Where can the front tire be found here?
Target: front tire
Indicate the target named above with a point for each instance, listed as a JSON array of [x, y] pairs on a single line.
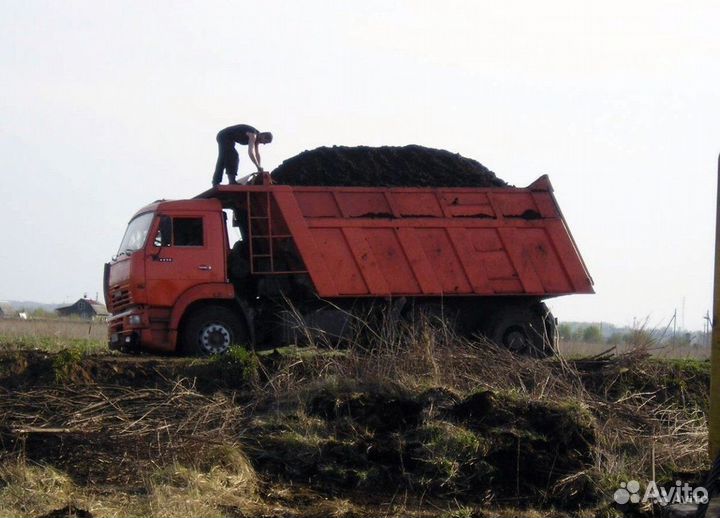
[[211, 330]]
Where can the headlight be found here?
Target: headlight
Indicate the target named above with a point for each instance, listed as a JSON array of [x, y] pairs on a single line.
[[135, 320]]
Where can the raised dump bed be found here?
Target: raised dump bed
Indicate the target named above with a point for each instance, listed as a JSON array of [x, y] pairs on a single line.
[[391, 242]]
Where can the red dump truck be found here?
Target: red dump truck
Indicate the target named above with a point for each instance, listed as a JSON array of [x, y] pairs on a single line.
[[486, 256]]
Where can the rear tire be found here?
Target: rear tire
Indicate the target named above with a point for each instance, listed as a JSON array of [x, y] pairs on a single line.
[[211, 330], [524, 330]]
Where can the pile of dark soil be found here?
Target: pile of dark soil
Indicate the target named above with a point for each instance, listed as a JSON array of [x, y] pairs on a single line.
[[69, 511], [27, 369], [535, 444], [375, 411], [387, 166], [489, 446]]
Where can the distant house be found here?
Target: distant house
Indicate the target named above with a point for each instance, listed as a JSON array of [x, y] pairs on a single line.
[[7, 311], [84, 308]]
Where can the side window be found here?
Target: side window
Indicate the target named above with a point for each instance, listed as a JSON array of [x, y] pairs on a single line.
[[188, 232]]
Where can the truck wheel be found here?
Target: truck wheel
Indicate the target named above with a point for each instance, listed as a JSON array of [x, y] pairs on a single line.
[[211, 330], [522, 330]]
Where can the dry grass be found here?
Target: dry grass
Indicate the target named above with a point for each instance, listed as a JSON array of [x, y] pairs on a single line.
[[222, 479], [642, 340], [53, 334], [176, 423], [643, 435], [174, 450], [29, 489], [174, 491], [415, 357], [575, 349]]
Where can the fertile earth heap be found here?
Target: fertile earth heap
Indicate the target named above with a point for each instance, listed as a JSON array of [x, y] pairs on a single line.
[[387, 166]]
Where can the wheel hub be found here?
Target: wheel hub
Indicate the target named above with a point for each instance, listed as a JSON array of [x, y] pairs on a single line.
[[215, 339], [516, 340]]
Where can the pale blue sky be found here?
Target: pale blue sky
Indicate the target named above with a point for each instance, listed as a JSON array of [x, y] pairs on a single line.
[[105, 106]]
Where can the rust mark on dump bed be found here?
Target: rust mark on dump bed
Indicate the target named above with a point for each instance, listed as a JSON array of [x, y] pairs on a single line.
[[376, 215], [528, 214]]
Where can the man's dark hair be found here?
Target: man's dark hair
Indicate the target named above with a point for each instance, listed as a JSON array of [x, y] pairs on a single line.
[[265, 137]]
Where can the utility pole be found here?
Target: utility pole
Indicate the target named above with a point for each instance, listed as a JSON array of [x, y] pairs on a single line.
[[674, 321], [708, 327], [714, 425]]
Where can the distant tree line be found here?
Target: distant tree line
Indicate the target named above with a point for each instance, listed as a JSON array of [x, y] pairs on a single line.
[[593, 334]]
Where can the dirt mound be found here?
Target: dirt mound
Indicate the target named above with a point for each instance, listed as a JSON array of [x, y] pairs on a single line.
[[25, 369], [387, 166], [369, 437], [68, 511], [379, 412], [552, 440]]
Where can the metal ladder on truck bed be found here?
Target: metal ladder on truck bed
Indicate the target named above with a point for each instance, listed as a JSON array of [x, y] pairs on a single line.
[[268, 247]]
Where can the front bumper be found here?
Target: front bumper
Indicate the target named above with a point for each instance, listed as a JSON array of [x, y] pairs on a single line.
[[124, 335], [124, 341], [140, 328]]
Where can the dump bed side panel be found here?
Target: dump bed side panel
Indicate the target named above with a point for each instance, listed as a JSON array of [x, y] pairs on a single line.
[[431, 242]]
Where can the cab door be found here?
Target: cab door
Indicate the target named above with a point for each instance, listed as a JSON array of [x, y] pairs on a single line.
[[189, 249]]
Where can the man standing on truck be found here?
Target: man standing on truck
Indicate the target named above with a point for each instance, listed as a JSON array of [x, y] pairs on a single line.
[[228, 158]]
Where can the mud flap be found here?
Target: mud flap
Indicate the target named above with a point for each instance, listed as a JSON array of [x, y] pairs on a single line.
[[249, 317]]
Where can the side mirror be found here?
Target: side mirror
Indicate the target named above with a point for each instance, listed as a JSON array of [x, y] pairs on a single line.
[[163, 237]]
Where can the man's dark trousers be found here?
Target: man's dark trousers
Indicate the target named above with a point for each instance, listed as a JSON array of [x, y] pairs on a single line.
[[228, 159]]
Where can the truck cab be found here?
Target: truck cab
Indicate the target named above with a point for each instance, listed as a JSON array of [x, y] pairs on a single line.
[[173, 254]]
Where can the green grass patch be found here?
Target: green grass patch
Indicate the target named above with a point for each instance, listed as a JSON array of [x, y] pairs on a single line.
[[53, 344], [238, 364], [686, 365], [65, 363]]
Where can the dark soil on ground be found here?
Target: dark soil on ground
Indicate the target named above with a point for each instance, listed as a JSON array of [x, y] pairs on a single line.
[[387, 166], [26, 369], [509, 450], [68, 511]]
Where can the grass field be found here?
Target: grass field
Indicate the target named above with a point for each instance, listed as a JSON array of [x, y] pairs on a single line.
[[53, 334], [56, 334], [575, 349]]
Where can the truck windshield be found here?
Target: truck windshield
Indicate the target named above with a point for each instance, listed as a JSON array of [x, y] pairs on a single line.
[[136, 234]]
